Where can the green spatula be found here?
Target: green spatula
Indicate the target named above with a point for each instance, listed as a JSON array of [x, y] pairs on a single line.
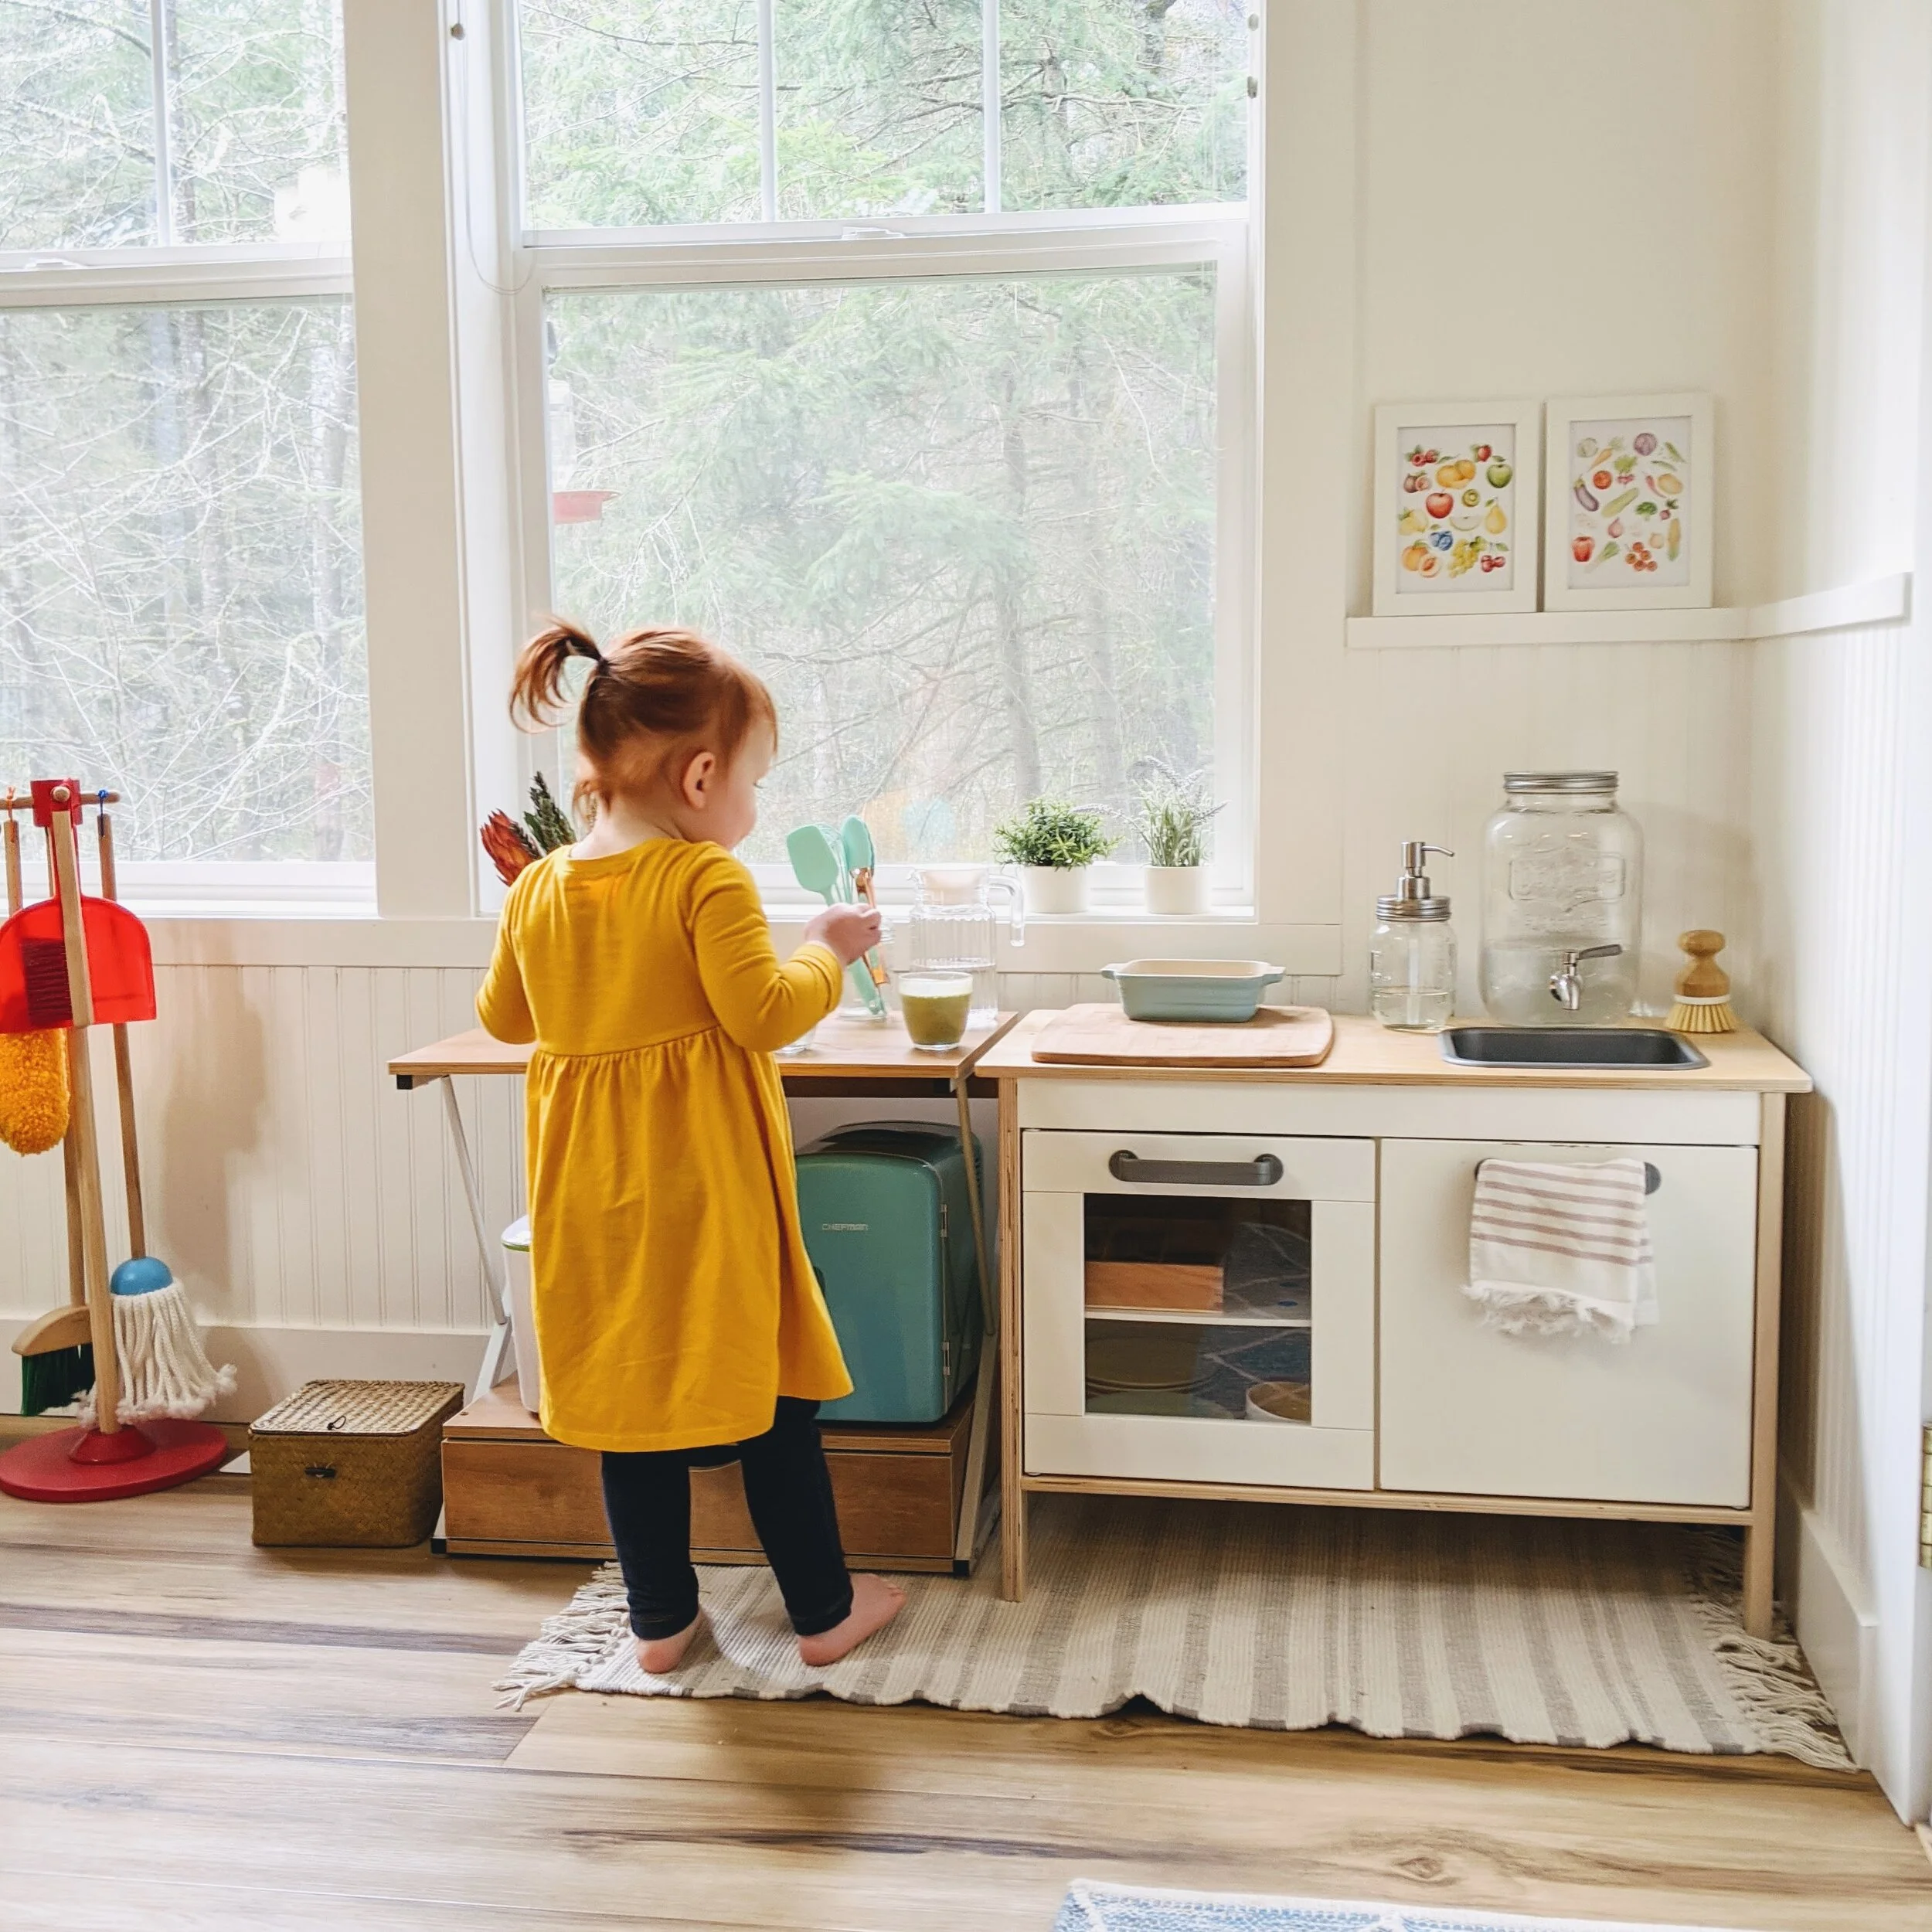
[[855, 841], [815, 865]]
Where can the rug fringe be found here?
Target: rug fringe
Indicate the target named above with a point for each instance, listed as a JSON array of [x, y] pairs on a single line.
[[571, 1644], [1768, 1676]]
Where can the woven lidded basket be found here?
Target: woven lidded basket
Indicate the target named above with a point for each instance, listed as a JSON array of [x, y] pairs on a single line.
[[354, 1465]]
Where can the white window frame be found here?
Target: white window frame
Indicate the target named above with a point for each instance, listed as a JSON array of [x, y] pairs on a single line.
[[741, 253]]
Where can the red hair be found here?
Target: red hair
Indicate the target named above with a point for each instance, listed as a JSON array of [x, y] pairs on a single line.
[[653, 701]]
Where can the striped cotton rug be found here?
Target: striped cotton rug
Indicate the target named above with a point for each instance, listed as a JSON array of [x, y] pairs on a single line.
[[1400, 1624]]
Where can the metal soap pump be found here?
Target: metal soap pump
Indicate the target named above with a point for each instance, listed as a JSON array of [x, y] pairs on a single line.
[[1411, 958]]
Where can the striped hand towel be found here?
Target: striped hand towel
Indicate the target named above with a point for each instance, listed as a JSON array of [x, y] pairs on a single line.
[[1561, 1249]]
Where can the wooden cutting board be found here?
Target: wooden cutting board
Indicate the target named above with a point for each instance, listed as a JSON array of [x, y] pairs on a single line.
[[1104, 1036]]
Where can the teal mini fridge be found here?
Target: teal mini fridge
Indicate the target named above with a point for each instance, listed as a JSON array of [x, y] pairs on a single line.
[[889, 1225]]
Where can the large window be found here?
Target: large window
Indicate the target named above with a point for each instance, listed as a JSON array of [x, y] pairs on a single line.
[[903, 348], [180, 585]]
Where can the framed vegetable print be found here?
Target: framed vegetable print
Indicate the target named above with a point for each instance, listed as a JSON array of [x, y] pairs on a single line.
[[1455, 508], [1627, 524]]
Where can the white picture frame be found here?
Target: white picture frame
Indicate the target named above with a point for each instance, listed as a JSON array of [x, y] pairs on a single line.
[[1471, 556], [1643, 546]]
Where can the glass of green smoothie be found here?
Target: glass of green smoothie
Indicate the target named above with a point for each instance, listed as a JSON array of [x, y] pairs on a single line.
[[934, 1006]]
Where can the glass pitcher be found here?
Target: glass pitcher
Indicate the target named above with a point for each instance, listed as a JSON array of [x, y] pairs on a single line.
[[955, 927]]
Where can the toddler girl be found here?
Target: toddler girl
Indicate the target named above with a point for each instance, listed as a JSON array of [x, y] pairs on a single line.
[[678, 1321]]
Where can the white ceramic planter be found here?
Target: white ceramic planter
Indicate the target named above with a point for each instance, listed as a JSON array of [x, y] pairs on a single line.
[[1054, 889], [1176, 890]]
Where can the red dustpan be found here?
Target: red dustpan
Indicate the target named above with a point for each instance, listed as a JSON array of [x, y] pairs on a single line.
[[33, 967]]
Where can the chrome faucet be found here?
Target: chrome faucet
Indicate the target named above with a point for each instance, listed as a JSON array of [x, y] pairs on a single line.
[[1565, 987]]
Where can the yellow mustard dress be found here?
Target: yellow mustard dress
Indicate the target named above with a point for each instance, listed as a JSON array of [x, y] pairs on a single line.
[[673, 1297]]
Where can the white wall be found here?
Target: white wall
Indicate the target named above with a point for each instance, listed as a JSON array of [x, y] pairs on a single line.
[[1841, 812], [1551, 204]]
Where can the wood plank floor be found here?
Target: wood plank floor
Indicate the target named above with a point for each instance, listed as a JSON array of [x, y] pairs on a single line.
[[200, 1735]]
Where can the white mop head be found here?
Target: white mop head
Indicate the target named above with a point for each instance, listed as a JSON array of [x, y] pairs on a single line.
[[165, 1370]]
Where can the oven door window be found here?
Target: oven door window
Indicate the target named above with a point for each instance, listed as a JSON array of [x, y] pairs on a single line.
[[1199, 1306]]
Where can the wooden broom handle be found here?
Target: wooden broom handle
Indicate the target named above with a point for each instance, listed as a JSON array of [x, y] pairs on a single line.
[[94, 1227], [71, 1173], [123, 1064]]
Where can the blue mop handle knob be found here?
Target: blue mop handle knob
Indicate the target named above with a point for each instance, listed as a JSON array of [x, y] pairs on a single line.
[[143, 1275]]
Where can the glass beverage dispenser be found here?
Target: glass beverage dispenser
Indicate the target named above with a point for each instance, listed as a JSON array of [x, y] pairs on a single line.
[[955, 927], [1563, 906]]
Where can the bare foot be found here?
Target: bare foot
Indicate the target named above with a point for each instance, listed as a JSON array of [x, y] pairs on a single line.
[[874, 1602], [658, 1656]]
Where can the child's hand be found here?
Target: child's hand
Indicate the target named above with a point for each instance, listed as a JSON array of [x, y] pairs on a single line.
[[851, 931]]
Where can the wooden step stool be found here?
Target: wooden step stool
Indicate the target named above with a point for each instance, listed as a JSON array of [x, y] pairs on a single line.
[[509, 1490]]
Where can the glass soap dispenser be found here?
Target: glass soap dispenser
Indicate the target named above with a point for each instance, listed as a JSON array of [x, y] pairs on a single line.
[[1411, 958]]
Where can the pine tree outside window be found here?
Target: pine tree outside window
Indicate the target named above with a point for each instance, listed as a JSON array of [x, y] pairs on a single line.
[[906, 350]]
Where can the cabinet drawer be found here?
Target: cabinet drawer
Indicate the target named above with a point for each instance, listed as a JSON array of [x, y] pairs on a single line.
[[1666, 1417], [1289, 1168], [1162, 1449]]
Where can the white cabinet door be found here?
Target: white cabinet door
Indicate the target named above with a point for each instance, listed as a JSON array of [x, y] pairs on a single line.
[[1166, 1279], [1468, 1410]]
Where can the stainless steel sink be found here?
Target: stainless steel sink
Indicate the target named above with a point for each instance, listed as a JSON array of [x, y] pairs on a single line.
[[1568, 1046]]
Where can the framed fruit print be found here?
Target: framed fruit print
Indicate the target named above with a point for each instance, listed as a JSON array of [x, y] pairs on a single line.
[[1627, 523], [1455, 507]]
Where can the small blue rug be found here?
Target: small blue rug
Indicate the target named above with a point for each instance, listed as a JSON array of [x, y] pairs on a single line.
[[1091, 1908]]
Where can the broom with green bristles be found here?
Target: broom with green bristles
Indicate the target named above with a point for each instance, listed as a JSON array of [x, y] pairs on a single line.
[[56, 1360]]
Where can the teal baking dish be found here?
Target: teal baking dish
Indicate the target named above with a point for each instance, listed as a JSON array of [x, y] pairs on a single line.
[[1223, 990]]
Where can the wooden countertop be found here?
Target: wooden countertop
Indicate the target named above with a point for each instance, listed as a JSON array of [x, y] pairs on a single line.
[[842, 1048], [1368, 1054]]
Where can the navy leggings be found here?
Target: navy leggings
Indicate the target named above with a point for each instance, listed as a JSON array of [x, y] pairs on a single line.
[[647, 1496]]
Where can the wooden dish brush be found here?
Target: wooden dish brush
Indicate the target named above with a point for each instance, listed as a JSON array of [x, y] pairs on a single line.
[[1703, 988]]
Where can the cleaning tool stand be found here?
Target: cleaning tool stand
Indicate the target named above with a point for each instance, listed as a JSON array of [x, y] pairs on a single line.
[[109, 1456]]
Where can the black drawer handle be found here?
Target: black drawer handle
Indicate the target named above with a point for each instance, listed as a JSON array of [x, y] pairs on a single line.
[[1263, 1171], [322, 1472]]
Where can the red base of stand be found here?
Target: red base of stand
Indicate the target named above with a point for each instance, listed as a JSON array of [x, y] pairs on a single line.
[[82, 1465]]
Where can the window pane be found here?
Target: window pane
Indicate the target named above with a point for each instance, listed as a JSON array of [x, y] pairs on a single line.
[[879, 108], [77, 154], [638, 112], [260, 149], [181, 600], [965, 528], [1123, 103]]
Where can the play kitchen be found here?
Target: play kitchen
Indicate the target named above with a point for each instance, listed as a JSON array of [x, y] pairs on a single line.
[[1256, 1252], [1249, 1250]]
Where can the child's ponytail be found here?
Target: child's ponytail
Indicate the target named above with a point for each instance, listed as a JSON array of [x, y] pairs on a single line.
[[536, 691], [655, 697]]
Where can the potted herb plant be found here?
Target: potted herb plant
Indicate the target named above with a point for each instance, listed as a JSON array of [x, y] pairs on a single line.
[[1052, 843], [1173, 821]]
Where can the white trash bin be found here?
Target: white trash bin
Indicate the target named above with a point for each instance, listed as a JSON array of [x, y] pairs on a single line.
[[516, 1259]]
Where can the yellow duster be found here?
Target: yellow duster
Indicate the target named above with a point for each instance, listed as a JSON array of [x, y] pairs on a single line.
[[33, 1089]]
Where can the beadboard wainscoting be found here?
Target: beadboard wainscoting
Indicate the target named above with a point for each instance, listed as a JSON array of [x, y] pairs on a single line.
[[1840, 982], [290, 1187]]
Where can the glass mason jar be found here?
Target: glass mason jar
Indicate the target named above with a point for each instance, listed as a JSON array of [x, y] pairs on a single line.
[[1412, 955], [1563, 877], [1412, 972]]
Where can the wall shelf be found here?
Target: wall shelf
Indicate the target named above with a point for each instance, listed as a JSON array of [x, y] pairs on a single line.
[[1879, 601]]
